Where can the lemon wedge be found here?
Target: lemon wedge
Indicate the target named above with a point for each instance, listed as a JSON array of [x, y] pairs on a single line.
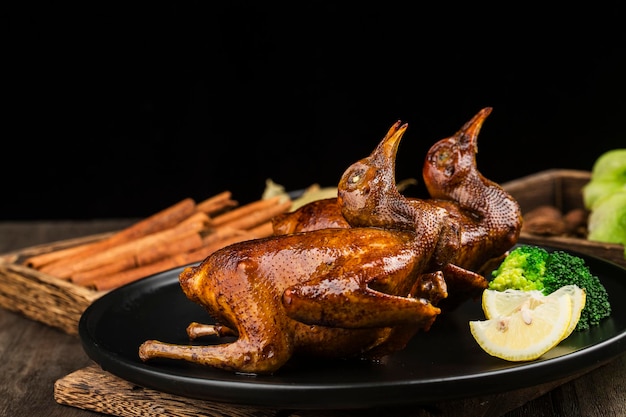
[[504, 303], [523, 325], [579, 297]]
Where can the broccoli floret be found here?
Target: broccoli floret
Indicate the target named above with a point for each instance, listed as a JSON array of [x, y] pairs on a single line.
[[522, 269], [563, 269], [530, 268]]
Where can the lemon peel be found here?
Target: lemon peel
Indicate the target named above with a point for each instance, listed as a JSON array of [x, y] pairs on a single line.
[[524, 325]]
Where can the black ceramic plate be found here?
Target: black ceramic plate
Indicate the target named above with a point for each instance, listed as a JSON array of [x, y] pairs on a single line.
[[443, 364]]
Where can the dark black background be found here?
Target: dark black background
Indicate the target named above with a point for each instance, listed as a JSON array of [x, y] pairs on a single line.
[[119, 110]]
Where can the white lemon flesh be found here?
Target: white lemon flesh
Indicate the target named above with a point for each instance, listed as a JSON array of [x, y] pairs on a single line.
[[523, 325]]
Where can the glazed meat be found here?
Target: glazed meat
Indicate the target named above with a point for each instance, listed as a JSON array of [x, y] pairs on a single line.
[[318, 214], [334, 292], [489, 218]]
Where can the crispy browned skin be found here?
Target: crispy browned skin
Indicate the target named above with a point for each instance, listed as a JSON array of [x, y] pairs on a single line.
[[334, 292], [318, 214], [489, 218]]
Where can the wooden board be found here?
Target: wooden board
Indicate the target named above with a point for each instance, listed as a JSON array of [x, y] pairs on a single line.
[[93, 389]]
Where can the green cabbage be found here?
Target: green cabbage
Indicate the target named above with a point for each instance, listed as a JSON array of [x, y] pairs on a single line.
[[605, 198], [607, 220]]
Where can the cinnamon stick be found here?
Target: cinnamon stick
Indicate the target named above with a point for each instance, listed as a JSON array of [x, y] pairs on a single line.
[[67, 267], [260, 214], [217, 203], [156, 252], [181, 234], [204, 251], [130, 275], [179, 244], [40, 260], [161, 220], [217, 241], [245, 210], [184, 244], [85, 277], [125, 277]]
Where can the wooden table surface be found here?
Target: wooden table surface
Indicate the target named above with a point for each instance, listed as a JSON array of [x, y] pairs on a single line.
[[35, 356]]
